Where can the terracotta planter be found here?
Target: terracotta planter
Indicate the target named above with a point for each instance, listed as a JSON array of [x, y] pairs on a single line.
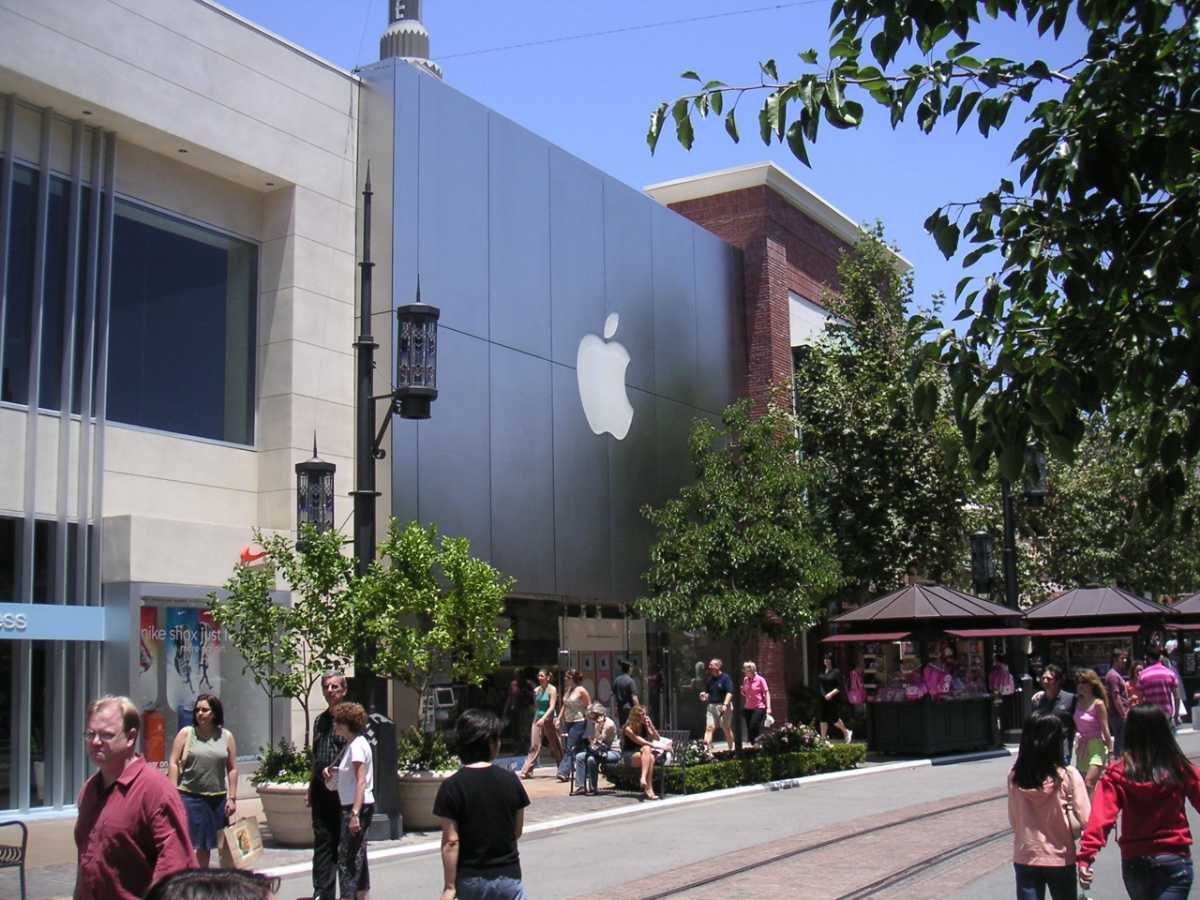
[[416, 792], [287, 814]]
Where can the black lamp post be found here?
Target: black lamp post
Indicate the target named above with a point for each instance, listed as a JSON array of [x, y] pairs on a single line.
[[314, 494], [414, 390], [1036, 489], [981, 563]]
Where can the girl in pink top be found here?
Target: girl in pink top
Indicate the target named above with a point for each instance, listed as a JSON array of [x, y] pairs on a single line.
[[1093, 742], [756, 700], [1040, 792]]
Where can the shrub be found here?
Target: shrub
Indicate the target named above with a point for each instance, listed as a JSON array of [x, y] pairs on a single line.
[[750, 768], [419, 751], [283, 764]]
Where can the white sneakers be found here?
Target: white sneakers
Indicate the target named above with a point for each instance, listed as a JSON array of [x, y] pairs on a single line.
[[849, 736]]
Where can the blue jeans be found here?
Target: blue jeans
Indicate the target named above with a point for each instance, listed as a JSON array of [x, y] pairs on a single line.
[[1164, 876], [575, 732], [472, 886], [1033, 881], [588, 763]]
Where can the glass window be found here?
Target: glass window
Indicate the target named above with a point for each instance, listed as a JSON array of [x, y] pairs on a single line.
[[54, 309], [14, 380], [181, 327]]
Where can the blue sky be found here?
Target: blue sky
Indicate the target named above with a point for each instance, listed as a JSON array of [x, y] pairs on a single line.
[[593, 96]]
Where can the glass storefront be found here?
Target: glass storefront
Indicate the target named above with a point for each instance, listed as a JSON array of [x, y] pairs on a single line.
[[181, 654]]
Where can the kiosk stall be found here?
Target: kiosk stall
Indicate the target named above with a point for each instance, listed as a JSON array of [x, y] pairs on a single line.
[[929, 686]]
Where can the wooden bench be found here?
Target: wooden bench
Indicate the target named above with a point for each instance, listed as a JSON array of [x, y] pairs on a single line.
[[12, 856]]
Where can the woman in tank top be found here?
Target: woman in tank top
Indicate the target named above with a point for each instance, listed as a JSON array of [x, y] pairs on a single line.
[[1093, 742], [544, 703], [572, 720], [204, 766]]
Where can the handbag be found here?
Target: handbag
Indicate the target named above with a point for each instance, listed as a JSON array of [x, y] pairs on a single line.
[[1073, 824], [240, 844]]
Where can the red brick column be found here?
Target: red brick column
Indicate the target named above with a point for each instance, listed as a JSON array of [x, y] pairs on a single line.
[[771, 660]]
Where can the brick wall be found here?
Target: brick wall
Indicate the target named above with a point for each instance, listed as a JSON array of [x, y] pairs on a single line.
[[782, 250]]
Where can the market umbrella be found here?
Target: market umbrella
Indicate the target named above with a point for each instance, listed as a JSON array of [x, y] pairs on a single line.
[[926, 601], [1088, 602]]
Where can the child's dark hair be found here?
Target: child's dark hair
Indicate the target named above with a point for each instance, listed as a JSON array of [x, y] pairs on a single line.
[[475, 732], [1041, 753], [1151, 752]]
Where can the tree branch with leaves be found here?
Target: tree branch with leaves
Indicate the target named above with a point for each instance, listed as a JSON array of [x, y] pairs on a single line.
[[1088, 295]]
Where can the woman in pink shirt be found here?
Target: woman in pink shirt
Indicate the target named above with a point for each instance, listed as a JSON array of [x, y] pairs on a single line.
[[1042, 795], [756, 700]]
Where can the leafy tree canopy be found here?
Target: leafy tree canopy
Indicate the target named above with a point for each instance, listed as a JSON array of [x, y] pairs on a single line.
[[287, 648], [737, 551], [893, 484], [1092, 301], [430, 607]]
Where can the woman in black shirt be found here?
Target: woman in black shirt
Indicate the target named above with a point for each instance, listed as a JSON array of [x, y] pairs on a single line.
[[832, 699], [482, 808]]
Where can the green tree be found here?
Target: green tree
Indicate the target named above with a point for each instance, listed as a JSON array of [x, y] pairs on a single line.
[[1094, 527], [1090, 300], [430, 608], [736, 552], [894, 484], [287, 648]]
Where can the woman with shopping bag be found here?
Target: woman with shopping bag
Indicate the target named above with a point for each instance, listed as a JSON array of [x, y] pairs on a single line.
[[203, 765], [1047, 807]]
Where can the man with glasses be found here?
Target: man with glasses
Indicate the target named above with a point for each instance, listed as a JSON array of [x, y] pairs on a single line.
[[131, 830], [323, 803]]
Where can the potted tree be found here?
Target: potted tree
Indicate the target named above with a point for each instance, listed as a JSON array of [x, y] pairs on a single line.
[[431, 610], [286, 649]]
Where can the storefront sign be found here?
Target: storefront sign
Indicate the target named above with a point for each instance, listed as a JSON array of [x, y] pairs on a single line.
[[50, 622]]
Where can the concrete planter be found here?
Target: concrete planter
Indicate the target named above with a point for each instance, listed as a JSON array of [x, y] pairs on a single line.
[[287, 814], [416, 792]]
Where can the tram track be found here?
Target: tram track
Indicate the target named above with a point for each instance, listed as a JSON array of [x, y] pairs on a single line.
[[895, 879]]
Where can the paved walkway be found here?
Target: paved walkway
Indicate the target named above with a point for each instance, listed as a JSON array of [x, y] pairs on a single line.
[[52, 850]]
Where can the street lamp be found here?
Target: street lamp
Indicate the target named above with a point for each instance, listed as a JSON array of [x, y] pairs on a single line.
[[1036, 489], [314, 493], [416, 357], [981, 563], [415, 388]]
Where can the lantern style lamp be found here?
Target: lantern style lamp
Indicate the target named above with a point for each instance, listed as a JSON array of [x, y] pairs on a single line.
[[981, 562], [416, 358], [314, 493], [1036, 489]]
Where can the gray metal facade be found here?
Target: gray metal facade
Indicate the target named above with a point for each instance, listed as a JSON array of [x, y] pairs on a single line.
[[526, 249]]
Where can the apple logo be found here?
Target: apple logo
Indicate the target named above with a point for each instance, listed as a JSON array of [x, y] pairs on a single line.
[[600, 368]]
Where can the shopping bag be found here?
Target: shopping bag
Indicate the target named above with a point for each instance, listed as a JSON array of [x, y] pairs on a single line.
[[240, 844]]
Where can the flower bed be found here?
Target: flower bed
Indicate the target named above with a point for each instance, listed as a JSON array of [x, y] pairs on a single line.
[[788, 752]]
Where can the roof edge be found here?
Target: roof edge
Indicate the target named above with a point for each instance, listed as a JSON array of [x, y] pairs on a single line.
[[278, 39], [797, 194]]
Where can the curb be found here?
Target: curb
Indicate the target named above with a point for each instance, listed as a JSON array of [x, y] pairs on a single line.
[[556, 825]]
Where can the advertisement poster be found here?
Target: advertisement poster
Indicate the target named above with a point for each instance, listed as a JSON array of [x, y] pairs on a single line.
[[587, 665], [210, 654], [150, 649], [183, 660], [603, 676]]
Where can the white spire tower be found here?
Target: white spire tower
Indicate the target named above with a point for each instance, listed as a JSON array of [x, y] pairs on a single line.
[[406, 38]]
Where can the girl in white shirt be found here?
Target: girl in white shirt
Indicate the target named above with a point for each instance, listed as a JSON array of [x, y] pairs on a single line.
[[353, 776]]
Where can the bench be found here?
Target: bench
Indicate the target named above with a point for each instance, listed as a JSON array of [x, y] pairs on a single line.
[[12, 856], [679, 739]]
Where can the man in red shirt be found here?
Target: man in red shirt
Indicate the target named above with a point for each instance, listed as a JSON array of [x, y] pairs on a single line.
[[131, 829], [1158, 685]]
